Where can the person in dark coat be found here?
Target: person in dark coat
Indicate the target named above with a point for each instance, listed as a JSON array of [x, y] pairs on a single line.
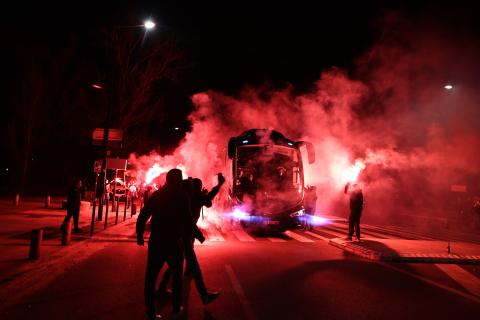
[[356, 208], [74, 197], [199, 197], [171, 222]]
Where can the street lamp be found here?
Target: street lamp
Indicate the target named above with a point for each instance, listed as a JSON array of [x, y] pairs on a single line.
[[149, 25], [448, 86]]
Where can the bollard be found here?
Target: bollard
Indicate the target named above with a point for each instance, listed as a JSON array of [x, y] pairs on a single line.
[[134, 209], [116, 210], [35, 243], [92, 223], [100, 209], [125, 209], [106, 216], [67, 233], [47, 202], [16, 201]]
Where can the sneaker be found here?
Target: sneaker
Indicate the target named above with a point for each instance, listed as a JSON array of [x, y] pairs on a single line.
[[348, 238], [210, 296], [179, 313]]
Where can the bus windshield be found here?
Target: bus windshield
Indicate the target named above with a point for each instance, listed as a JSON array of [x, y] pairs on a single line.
[[268, 174]]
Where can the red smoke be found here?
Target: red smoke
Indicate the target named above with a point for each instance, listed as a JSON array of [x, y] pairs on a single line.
[[394, 120]]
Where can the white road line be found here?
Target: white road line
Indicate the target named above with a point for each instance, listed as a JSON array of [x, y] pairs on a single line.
[[335, 234], [277, 239], [297, 237], [243, 236], [237, 287], [313, 234], [434, 283], [462, 277]]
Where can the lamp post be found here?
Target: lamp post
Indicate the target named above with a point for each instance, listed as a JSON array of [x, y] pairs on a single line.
[[148, 25]]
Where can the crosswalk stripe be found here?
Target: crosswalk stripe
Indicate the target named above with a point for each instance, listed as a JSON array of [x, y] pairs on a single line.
[[277, 240], [297, 237], [243, 236], [313, 234], [335, 234], [342, 230], [462, 277]]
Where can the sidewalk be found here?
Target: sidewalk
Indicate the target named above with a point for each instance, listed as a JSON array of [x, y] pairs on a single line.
[[413, 251], [17, 223], [18, 275]]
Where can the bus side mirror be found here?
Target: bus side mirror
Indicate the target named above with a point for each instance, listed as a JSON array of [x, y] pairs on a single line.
[[231, 148], [310, 150]]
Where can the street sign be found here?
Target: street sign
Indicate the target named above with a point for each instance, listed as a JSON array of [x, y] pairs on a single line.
[[458, 188], [115, 137], [119, 164]]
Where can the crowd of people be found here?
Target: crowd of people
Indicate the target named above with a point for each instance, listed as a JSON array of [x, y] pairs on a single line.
[[173, 211]]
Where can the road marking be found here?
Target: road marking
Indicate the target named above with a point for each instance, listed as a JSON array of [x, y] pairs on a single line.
[[277, 239], [243, 236], [313, 234], [297, 237], [434, 283], [335, 234], [237, 287], [462, 277]]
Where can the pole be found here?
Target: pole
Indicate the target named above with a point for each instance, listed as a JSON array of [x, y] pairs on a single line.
[[116, 211], [106, 214], [125, 207], [114, 203], [94, 204], [100, 201], [104, 162], [133, 209]]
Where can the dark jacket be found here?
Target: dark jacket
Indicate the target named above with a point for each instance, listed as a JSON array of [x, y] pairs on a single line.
[[356, 200], [74, 197], [171, 217], [200, 199]]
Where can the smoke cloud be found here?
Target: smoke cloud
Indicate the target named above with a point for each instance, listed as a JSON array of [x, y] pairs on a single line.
[[392, 115]]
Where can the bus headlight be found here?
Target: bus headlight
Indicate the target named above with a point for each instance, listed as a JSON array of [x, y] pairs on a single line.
[[298, 213]]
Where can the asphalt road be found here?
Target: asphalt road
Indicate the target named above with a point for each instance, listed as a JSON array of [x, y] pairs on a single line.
[[274, 276]]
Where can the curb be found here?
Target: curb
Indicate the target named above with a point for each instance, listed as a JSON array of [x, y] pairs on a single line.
[[406, 258]]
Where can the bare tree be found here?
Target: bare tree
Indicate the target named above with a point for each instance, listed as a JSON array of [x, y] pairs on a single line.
[[30, 115], [44, 103], [136, 63]]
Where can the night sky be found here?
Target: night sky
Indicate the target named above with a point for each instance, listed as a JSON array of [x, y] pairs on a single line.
[[226, 45], [230, 45]]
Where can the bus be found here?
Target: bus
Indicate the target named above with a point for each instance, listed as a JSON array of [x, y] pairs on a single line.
[[268, 188]]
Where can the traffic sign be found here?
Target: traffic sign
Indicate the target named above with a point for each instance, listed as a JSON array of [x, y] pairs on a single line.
[[115, 137], [119, 164]]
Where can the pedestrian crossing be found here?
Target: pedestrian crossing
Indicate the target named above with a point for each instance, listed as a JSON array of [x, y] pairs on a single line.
[[318, 234]]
